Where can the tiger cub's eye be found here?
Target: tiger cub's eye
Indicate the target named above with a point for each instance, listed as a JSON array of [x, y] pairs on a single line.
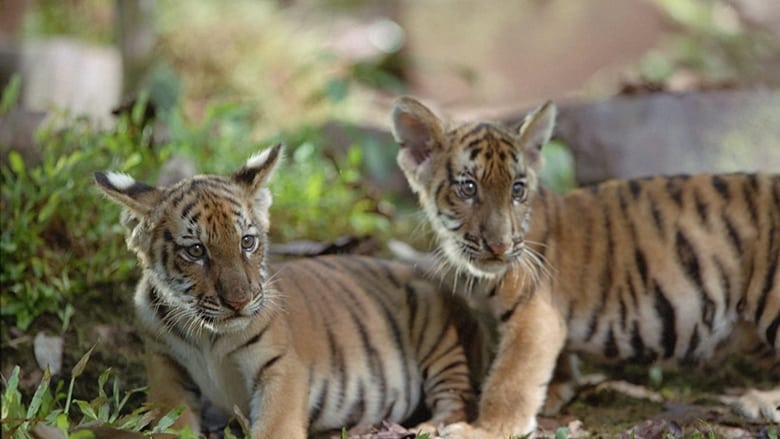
[[467, 189], [518, 191], [196, 251], [248, 243]]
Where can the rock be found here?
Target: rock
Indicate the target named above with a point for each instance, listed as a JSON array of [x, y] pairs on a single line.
[[48, 352], [663, 133]]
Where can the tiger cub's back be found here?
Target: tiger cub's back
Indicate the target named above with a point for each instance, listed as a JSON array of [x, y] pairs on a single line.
[[687, 255]]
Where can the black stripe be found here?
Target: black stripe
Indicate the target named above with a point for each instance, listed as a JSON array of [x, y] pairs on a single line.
[[641, 353], [186, 209], [424, 359], [641, 265], [732, 233], [635, 187], [720, 185], [605, 281], [442, 378], [475, 130], [623, 312], [701, 207], [693, 343], [674, 189], [725, 283], [411, 304], [750, 199], [690, 262], [666, 314], [769, 281], [506, 315], [319, 404], [261, 370], [254, 339], [771, 331], [610, 345], [432, 361], [355, 413], [658, 218]]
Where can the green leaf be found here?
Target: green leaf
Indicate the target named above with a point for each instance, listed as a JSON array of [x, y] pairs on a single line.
[[62, 423], [82, 434], [102, 382], [562, 433], [43, 388], [10, 94], [16, 162], [78, 369], [86, 409], [11, 406], [168, 420], [49, 208]]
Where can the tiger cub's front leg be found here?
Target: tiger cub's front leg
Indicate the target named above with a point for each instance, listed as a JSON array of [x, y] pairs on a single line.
[[531, 339], [170, 387], [279, 398]]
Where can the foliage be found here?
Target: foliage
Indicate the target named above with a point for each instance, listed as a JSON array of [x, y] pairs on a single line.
[[712, 42], [59, 238], [87, 19], [558, 167], [52, 405], [56, 238]]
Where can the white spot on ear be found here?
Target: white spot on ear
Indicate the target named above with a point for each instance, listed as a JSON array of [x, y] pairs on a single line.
[[120, 181], [259, 159]]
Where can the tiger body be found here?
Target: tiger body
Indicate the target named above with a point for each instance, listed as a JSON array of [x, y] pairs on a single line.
[[674, 264], [641, 270], [302, 346]]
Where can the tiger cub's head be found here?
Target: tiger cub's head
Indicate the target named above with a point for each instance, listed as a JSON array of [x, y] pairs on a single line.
[[202, 242], [474, 181]]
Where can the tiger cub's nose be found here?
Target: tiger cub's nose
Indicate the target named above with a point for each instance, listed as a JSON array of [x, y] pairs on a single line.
[[498, 248], [237, 304]]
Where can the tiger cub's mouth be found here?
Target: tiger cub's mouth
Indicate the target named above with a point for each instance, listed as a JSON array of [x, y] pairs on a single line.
[[219, 317], [484, 263]]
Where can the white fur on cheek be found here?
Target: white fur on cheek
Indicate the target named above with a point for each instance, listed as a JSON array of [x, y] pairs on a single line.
[[119, 180]]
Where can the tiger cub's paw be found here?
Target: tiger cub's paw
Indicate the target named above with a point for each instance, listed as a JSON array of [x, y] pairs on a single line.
[[427, 428], [462, 430], [561, 393], [756, 405]]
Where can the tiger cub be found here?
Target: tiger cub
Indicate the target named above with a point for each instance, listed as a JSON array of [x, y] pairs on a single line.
[[641, 270], [308, 345]]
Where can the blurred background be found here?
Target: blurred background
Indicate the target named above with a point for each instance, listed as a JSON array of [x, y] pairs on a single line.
[[161, 88]]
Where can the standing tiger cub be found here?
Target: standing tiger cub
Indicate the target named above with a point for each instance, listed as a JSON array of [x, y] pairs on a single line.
[[641, 270], [307, 345]]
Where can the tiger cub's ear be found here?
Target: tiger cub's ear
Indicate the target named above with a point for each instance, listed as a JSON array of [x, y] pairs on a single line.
[[417, 130], [139, 198], [256, 173], [535, 131]]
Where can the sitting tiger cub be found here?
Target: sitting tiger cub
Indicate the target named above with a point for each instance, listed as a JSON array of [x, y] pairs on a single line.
[[307, 345], [643, 270]]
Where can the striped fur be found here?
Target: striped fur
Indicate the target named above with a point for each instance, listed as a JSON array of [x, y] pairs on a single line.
[[303, 346], [641, 270]]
